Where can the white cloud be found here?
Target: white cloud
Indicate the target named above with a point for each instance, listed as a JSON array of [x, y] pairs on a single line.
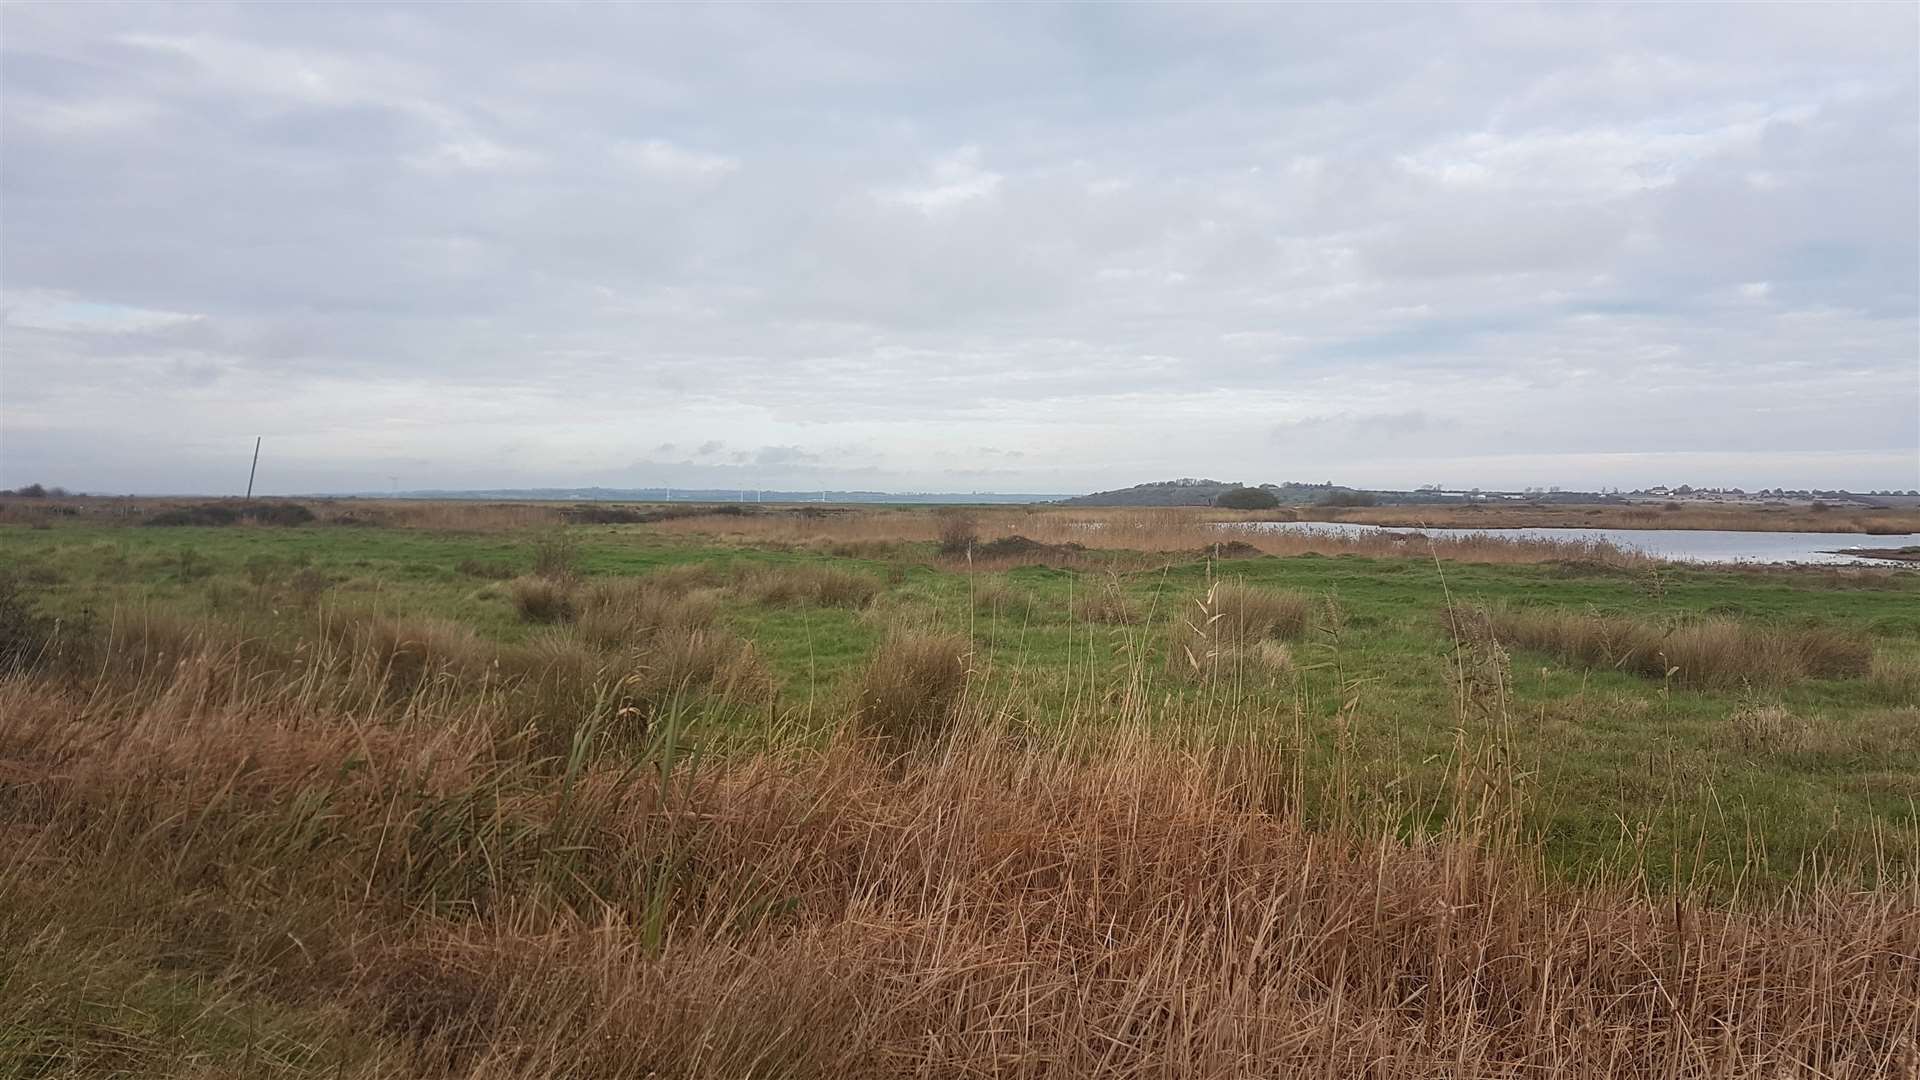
[[662, 158], [955, 178]]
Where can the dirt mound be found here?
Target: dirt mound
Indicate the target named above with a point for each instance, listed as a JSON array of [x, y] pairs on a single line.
[[1019, 547], [1232, 549]]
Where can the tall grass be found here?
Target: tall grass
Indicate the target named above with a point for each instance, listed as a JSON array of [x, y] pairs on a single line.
[[256, 891], [1714, 652], [1185, 531], [910, 691]]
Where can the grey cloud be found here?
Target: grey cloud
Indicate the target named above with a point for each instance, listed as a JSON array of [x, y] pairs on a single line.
[[1107, 241]]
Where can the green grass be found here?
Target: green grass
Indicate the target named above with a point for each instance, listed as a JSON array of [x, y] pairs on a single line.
[[1620, 766]]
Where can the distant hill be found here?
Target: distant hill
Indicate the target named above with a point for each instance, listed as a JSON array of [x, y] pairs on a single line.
[[1186, 492], [1192, 492], [699, 495]]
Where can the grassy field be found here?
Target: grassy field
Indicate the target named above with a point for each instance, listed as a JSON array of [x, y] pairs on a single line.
[[467, 791]]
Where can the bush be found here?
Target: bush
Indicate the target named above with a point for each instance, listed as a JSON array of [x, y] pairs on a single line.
[[223, 514], [556, 556], [1246, 498], [911, 688], [1347, 497], [956, 530]]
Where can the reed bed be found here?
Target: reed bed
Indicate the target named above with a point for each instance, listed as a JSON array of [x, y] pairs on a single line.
[[1186, 531], [1713, 652]]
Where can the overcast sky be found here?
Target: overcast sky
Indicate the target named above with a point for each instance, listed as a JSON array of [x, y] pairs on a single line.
[[1013, 248]]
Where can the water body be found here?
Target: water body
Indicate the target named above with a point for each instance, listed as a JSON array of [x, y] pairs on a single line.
[[1678, 545]]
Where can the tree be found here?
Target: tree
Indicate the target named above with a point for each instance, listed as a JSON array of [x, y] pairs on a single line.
[[1245, 498]]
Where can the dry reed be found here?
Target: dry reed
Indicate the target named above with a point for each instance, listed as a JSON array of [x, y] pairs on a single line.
[[387, 901], [1715, 652]]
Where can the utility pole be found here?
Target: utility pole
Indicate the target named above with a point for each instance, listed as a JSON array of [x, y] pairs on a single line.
[[256, 466]]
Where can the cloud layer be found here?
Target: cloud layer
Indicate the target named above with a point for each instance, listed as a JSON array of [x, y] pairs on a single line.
[[1019, 248]]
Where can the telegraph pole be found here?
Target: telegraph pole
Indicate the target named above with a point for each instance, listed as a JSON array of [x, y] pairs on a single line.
[[256, 466]]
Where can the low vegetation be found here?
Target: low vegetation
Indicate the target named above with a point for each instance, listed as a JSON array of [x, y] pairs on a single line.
[[702, 797], [1713, 652]]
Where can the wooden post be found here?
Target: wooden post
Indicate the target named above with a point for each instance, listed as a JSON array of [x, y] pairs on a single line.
[[256, 466]]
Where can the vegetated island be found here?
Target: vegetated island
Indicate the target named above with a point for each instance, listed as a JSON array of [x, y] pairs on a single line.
[[1909, 553], [1659, 507]]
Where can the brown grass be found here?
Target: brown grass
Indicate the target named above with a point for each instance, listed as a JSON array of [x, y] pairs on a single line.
[[249, 891], [1156, 532], [1226, 633], [1895, 677], [809, 583], [1106, 602], [910, 691], [1716, 652], [620, 612], [541, 599]]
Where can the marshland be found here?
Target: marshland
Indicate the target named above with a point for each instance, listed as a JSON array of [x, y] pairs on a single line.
[[385, 789]]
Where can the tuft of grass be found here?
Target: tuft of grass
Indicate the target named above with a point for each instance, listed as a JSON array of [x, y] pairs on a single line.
[[911, 689], [541, 599], [622, 612], [1242, 614], [483, 569], [1108, 603], [809, 583], [1768, 729], [1895, 677]]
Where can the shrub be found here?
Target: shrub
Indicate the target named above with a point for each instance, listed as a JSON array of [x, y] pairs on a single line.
[[542, 599], [1347, 497], [911, 688], [217, 514], [956, 530], [191, 564], [1246, 498], [556, 555]]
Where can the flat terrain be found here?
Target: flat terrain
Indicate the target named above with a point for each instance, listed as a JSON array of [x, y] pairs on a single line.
[[1780, 517], [1607, 751], [231, 745]]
